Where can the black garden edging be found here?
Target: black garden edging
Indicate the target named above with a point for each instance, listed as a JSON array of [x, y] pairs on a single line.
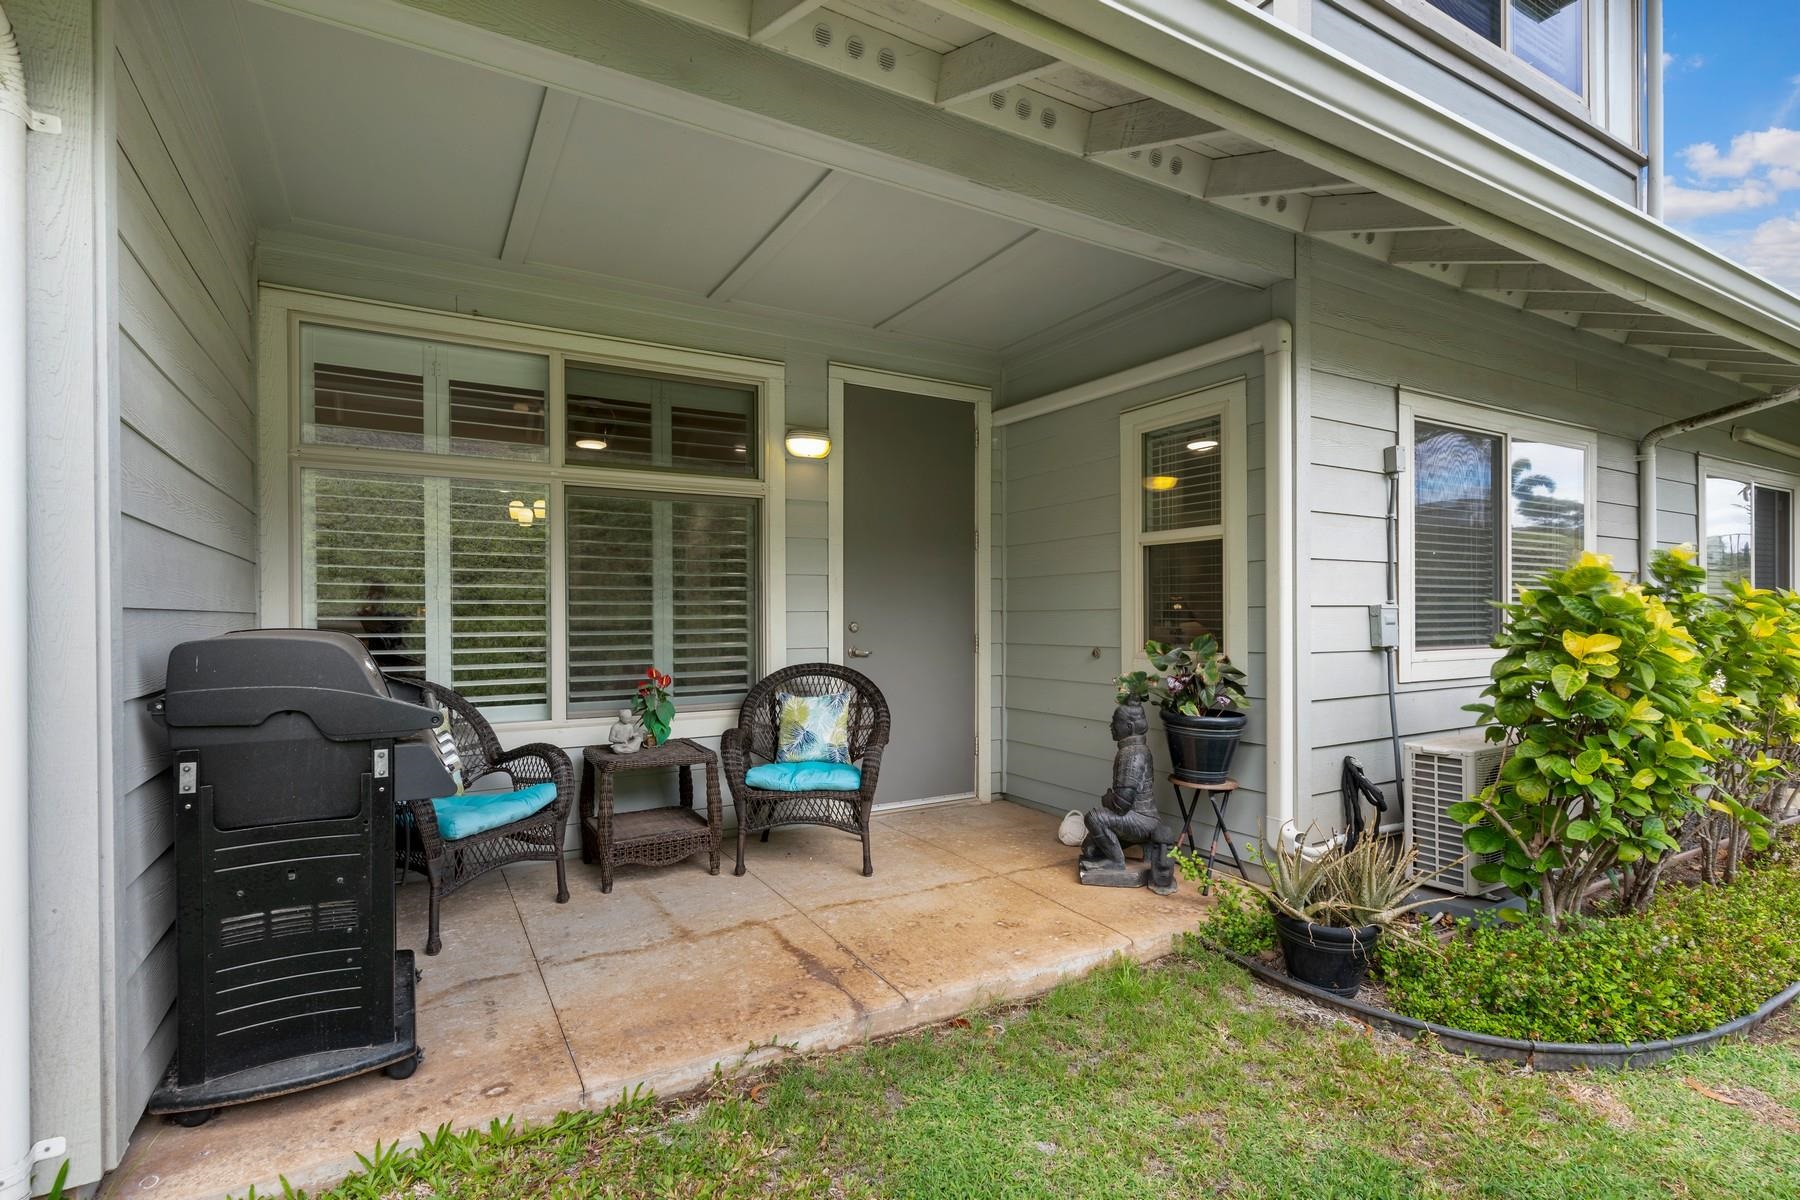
[[1542, 1056]]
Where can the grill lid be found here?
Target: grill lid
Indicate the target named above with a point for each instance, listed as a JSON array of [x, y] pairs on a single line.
[[244, 678]]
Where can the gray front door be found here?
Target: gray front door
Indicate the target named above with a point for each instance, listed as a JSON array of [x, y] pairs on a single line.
[[909, 581]]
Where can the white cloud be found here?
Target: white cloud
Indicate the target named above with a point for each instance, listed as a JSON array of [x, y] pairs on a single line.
[[1687, 204], [1675, 64], [1773, 249], [1775, 148]]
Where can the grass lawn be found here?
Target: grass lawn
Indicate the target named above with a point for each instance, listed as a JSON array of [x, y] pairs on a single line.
[[1175, 1080]]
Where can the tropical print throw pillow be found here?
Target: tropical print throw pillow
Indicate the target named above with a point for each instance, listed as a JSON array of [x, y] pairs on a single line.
[[813, 728]]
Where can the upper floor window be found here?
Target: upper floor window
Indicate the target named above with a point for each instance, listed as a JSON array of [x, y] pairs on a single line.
[[1549, 35]]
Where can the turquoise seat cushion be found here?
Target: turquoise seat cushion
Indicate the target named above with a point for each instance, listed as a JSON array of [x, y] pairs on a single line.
[[471, 813], [805, 777]]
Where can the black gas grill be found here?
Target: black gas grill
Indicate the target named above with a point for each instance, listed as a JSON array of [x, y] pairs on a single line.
[[291, 751]]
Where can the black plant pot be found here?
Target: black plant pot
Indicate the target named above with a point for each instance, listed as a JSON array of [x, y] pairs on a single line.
[[1201, 748], [1326, 956]]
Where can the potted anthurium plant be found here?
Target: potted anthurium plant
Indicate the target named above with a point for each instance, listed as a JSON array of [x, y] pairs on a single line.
[[1201, 695], [654, 706]]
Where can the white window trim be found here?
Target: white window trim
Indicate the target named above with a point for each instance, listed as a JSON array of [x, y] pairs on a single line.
[[1227, 401], [1500, 60], [282, 457], [1767, 477], [1438, 665]]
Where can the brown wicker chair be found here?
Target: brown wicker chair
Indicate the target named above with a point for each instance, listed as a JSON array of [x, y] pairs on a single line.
[[759, 811], [448, 865]]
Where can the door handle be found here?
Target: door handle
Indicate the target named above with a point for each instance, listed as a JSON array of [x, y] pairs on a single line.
[[858, 652]]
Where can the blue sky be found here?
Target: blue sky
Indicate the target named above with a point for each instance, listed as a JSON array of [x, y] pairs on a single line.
[[1733, 135]]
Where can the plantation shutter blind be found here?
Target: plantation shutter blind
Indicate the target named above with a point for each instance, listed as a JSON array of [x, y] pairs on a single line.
[[499, 599], [437, 579], [1774, 538], [1457, 538], [660, 581], [365, 564]]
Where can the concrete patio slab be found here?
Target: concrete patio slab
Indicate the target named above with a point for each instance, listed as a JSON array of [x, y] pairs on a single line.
[[536, 1007]]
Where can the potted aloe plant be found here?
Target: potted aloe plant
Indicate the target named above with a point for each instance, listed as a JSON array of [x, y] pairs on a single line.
[[1201, 695], [1331, 905]]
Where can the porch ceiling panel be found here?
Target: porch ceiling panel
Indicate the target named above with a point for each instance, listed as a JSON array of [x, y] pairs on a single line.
[[1042, 281], [636, 198], [872, 251], [364, 132]]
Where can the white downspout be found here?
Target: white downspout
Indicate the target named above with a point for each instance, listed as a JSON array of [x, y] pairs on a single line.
[[17, 1152], [1281, 573], [1653, 107], [1646, 461], [15, 925]]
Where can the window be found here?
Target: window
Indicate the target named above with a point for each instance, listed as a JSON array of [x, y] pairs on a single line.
[[531, 526], [1182, 485], [1749, 528], [1549, 35], [448, 579], [1494, 502], [660, 579]]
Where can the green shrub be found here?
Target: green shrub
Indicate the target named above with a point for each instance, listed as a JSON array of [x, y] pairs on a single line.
[[1598, 693], [1240, 922], [1700, 956], [1749, 639]]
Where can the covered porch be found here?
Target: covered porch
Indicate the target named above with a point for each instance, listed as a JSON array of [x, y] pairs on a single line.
[[535, 1008]]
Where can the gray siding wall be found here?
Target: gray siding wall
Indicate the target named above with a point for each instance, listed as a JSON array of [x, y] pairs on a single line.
[[1058, 547], [1409, 58], [185, 560], [1374, 330]]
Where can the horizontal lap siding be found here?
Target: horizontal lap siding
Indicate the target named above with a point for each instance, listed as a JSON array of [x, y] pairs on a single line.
[[186, 541], [1058, 555], [1377, 330]]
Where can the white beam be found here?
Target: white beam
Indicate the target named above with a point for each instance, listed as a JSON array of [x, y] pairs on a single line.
[[770, 18], [987, 65], [1265, 174], [1451, 246], [781, 235], [1143, 125], [1524, 278], [555, 116], [623, 53], [1654, 323], [1667, 341], [1367, 212], [1571, 302]]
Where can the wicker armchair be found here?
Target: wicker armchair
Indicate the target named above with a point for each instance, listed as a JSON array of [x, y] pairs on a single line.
[[759, 811], [449, 865]]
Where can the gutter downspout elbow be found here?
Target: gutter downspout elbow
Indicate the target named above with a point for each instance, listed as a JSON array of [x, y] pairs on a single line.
[[1646, 461]]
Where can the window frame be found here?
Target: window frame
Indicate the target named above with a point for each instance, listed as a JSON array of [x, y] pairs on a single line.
[[1228, 402], [1499, 58], [1710, 468], [1473, 663], [284, 458]]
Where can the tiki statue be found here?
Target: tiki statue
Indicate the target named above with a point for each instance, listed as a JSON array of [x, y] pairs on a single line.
[[1127, 816]]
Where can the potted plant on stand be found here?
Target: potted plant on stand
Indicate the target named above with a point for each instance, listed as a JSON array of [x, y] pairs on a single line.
[[1201, 695]]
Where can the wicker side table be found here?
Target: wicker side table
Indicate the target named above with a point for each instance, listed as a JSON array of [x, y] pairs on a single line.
[[654, 837]]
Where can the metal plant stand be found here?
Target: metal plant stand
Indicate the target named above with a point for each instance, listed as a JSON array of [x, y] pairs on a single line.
[[1187, 797]]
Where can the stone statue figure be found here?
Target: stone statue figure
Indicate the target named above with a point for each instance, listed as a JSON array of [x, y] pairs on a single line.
[[627, 734], [1127, 816]]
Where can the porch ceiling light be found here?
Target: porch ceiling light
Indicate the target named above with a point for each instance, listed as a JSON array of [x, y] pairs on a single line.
[[1202, 445], [590, 443], [808, 443], [1161, 483], [526, 514]]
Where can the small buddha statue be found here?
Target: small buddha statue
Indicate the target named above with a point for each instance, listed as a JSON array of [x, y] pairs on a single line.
[[1127, 815], [627, 734]]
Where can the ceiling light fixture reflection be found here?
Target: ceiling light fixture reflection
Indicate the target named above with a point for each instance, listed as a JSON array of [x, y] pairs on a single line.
[[1202, 445], [590, 443]]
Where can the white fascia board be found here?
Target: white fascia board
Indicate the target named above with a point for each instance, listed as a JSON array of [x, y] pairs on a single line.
[[1229, 63]]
